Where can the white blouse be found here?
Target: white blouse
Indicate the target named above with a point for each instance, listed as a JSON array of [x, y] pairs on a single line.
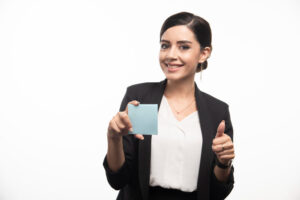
[[176, 150]]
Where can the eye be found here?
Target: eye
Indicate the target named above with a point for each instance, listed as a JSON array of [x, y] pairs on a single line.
[[164, 46], [184, 47]]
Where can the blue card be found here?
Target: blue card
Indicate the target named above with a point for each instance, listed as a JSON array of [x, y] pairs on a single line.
[[143, 119]]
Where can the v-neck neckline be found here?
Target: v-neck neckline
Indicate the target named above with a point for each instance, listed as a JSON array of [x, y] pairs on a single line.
[[173, 116]]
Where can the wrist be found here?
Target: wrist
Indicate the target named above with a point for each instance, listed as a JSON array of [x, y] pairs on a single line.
[[111, 137], [223, 165]]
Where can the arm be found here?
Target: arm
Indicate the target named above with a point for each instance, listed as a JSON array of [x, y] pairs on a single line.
[[115, 154], [223, 179], [122, 176], [222, 174], [121, 153]]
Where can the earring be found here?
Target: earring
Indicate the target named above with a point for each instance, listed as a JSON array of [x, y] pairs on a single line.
[[201, 71]]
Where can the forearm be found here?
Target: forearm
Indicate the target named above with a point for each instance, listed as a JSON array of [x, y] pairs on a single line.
[[115, 153], [222, 174]]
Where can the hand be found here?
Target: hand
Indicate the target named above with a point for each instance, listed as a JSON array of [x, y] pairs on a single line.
[[223, 146], [120, 124]]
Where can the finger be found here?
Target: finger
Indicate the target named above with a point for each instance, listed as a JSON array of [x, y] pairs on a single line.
[[226, 152], [228, 145], [227, 157], [119, 122], [139, 136], [221, 147], [221, 129], [126, 121], [134, 102], [217, 148], [113, 126], [220, 140]]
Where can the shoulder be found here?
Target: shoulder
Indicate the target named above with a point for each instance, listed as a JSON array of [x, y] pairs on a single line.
[[217, 110], [213, 100], [144, 88], [214, 104]]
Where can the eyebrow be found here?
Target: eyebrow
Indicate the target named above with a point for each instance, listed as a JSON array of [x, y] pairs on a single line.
[[180, 41]]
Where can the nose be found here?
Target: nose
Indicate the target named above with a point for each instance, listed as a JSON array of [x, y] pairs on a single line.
[[171, 54]]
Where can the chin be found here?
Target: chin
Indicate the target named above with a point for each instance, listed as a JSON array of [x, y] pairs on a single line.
[[173, 77]]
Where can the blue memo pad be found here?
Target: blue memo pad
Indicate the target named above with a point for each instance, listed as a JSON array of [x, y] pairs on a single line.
[[143, 119]]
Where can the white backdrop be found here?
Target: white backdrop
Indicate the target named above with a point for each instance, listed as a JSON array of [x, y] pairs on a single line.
[[65, 66]]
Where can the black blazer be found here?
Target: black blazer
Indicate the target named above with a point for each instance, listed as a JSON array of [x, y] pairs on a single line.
[[132, 179]]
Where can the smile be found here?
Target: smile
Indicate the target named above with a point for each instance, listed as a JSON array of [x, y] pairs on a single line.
[[173, 65]]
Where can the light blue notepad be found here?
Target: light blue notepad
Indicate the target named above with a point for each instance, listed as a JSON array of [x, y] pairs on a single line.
[[143, 119]]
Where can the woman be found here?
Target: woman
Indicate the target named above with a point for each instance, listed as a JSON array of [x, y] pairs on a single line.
[[191, 156]]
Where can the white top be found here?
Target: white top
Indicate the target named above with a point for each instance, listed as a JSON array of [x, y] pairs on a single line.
[[176, 150]]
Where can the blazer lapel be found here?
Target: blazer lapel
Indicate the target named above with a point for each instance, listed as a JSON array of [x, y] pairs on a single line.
[[154, 97], [206, 154]]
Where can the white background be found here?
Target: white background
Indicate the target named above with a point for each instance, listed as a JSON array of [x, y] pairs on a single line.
[[65, 66]]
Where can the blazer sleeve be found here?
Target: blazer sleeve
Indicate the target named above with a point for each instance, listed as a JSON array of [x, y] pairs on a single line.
[[220, 190], [123, 176]]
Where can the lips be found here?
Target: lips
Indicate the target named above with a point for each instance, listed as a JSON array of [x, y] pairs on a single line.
[[173, 65]]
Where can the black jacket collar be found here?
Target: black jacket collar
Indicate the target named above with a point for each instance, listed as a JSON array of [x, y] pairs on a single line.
[[206, 154]]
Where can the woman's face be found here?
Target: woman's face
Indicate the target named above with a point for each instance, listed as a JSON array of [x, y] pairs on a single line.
[[180, 53]]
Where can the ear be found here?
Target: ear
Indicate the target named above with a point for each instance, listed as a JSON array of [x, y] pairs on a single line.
[[204, 54]]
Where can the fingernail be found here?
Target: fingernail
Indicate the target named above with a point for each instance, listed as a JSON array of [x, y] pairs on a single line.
[[131, 129]]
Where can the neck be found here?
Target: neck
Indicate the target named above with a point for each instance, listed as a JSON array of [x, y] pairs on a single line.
[[182, 89]]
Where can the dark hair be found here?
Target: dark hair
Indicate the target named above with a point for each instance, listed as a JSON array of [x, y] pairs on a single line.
[[199, 26]]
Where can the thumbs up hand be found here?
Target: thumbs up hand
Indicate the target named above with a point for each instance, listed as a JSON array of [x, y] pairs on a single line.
[[221, 129], [222, 145]]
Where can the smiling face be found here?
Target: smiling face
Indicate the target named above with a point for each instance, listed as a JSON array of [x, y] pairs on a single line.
[[180, 53]]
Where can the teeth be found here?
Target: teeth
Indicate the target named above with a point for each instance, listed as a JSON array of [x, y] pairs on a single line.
[[174, 66]]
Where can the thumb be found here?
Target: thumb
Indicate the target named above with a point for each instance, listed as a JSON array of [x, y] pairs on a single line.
[[221, 129], [134, 102]]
